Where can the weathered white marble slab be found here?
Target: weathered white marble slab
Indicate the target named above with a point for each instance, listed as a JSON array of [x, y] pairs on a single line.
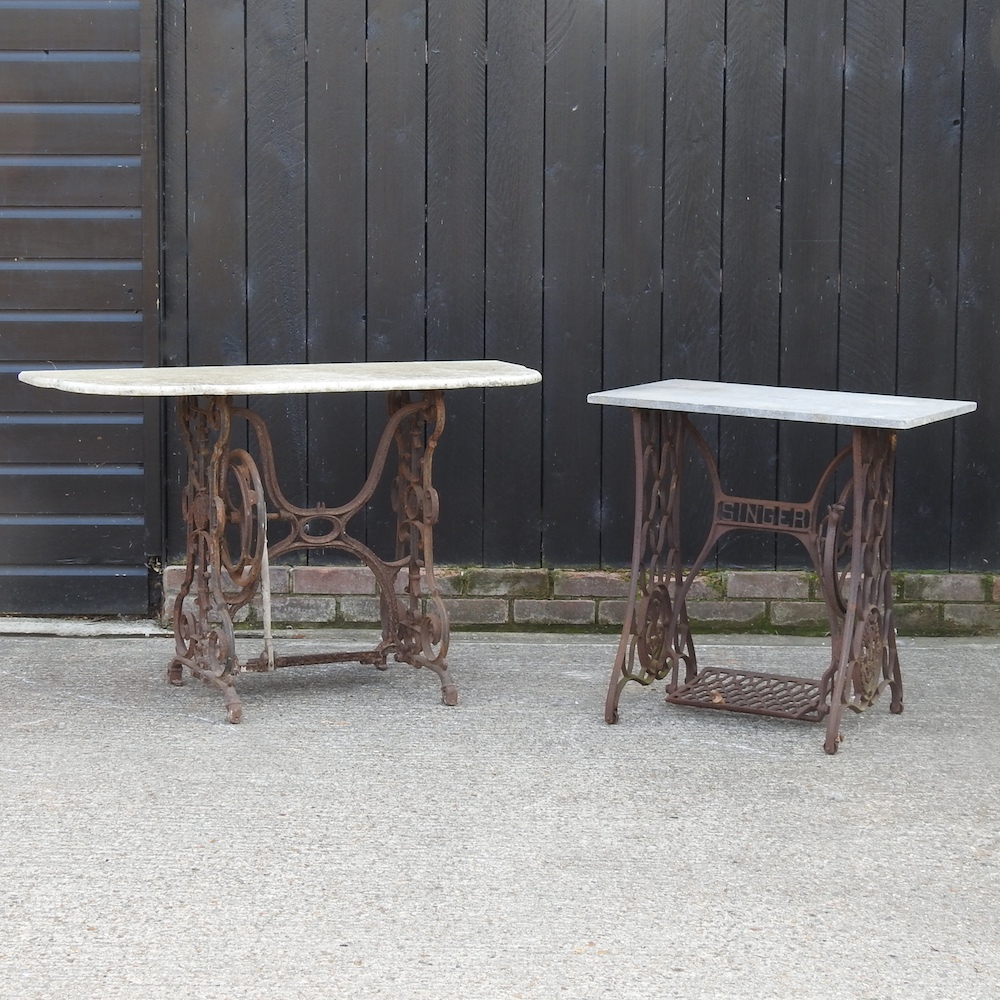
[[819, 406], [239, 380]]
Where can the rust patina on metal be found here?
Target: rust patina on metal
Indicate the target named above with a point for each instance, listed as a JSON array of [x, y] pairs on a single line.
[[851, 561], [229, 501], [845, 527]]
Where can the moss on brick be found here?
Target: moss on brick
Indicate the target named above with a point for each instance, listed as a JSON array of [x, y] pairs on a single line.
[[508, 583]]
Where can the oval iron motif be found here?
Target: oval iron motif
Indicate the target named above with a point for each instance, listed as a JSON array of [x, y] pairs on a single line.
[[870, 656]]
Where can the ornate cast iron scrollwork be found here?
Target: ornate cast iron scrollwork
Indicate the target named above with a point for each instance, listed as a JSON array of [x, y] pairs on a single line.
[[228, 503], [656, 638], [423, 618], [844, 528], [204, 638], [246, 512], [868, 658]]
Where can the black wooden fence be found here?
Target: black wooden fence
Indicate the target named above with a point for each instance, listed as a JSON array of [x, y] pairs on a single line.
[[800, 192]]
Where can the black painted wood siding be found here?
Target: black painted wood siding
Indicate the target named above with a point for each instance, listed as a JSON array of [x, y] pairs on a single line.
[[797, 192], [79, 475]]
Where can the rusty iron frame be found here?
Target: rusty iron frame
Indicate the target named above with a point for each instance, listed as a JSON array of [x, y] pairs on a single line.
[[848, 541], [230, 500]]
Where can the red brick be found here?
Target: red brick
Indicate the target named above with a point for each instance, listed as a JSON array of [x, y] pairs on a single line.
[[333, 580], [299, 610], [799, 613], [529, 612], [568, 583], [944, 587], [979, 617], [738, 612], [361, 610], [917, 619], [610, 612], [173, 577], [449, 581], [767, 584], [477, 611], [508, 582]]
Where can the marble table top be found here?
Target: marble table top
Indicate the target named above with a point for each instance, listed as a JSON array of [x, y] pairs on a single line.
[[820, 406], [239, 380]]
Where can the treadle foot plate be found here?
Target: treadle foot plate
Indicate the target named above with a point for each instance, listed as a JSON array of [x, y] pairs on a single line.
[[746, 691]]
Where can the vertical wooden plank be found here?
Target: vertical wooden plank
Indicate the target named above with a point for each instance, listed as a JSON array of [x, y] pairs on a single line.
[[276, 202], [692, 238], [976, 527], [574, 162], [932, 115], [173, 332], [692, 222], [174, 301], [751, 252], [810, 225], [872, 122], [396, 180], [154, 452], [515, 130], [633, 242], [867, 341], [336, 243], [396, 133], [456, 224], [216, 186]]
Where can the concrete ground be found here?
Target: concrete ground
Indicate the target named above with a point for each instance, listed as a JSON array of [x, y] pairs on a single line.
[[355, 838]]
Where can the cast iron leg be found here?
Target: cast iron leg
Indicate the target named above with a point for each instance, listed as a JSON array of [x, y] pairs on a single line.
[[868, 657], [656, 638], [226, 509], [204, 637], [422, 630]]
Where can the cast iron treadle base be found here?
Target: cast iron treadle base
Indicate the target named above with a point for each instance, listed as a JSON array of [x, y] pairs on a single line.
[[746, 691]]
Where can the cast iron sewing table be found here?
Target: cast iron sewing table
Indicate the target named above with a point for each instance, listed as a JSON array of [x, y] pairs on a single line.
[[229, 499], [849, 544]]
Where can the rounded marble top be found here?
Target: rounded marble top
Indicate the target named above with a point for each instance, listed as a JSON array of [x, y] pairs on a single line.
[[238, 380]]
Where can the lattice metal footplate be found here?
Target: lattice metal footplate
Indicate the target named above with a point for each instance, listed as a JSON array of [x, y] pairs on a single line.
[[746, 691]]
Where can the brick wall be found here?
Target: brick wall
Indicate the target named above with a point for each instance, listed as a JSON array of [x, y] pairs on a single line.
[[733, 600]]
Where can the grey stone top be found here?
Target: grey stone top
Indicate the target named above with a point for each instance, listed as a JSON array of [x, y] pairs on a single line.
[[819, 406], [239, 380]]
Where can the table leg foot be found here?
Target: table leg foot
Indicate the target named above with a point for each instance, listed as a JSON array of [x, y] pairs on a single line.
[[223, 682], [895, 683], [234, 707], [439, 666], [615, 685], [422, 641], [655, 640]]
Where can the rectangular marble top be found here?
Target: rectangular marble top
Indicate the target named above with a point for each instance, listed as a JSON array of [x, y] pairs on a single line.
[[820, 406], [239, 380]]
